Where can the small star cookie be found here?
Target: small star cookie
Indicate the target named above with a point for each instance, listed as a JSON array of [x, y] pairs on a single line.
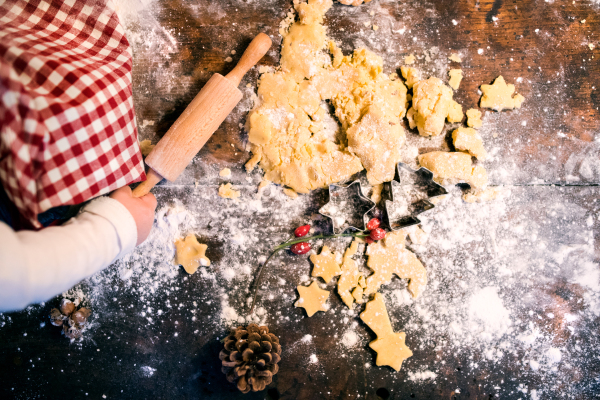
[[389, 345], [312, 298], [499, 96], [326, 265], [350, 276], [391, 350], [190, 254]]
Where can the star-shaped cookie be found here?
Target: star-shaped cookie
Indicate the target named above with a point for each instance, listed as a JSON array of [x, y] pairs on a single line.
[[326, 265], [312, 298], [391, 350], [389, 345], [190, 254]]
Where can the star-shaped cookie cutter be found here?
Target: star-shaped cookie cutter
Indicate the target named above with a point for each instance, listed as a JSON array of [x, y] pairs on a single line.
[[347, 207], [406, 196]]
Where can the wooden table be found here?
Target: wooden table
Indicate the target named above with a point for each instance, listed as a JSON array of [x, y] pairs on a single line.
[[546, 153]]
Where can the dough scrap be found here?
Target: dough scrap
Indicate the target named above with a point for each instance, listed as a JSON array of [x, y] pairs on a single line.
[[146, 147], [350, 276], [455, 57], [325, 265], [409, 60], [432, 103], [225, 173], [474, 118], [416, 234], [456, 76], [291, 193], [390, 346], [411, 75], [390, 257], [227, 191], [449, 168], [480, 196], [190, 254], [354, 3], [312, 298], [467, 139], [376, 194], [289, 130], [499, 96]]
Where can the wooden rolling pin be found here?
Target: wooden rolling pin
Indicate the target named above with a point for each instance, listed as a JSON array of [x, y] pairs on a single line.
[[199, 120]]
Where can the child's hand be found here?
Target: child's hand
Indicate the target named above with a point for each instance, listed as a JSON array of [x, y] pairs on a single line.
[[142, 209]]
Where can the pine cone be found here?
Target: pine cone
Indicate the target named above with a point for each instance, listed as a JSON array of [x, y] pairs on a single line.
[[250, 357]]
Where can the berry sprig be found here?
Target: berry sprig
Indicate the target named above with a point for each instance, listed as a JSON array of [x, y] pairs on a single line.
[[299, 245]]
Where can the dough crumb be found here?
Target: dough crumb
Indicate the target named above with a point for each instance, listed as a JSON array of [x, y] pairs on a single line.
[[455, 57], [263, 184], [409, 60], [146, 147], [467, 139], [354, 3], [226, 191], [291, 193], [456, 76], [480, 196], [474, 118], [225, 173], [228, 59], [411, 75], [450, 168], [432, 103], [499, 96], [190, 254]]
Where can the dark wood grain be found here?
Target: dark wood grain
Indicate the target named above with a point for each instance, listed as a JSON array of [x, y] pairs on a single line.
[[557, 145]]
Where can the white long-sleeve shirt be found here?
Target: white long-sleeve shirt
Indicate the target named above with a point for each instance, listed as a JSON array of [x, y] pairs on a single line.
[[35, 266]]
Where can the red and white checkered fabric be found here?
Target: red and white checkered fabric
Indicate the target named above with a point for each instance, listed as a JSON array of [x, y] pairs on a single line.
[[67, 124]]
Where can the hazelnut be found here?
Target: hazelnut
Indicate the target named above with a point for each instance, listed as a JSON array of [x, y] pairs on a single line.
[[66, 306], [78, 318], [56, 317]]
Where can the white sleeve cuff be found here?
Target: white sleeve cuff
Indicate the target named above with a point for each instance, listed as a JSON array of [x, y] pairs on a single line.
[[120, 218]]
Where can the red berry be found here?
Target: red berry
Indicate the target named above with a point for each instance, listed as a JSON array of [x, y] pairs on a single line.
[[377, 234], [302, 230], [368, 240], [373, 223], [300, 248]]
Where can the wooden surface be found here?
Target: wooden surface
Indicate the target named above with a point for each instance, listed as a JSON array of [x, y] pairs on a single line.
[[552, 140]]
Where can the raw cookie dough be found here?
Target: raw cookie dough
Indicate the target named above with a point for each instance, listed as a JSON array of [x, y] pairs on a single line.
[[146, 147], [190, 254], [455, 57], [350, 276], [474, 118], [390, 257], [456, 76], [312, 299], [325, 265], [409, 60], [291, 193], [416, 234], [467, 139], [450, 168], [499, 96], [226, 191], [292, 135], [432, 103], [390, 346]]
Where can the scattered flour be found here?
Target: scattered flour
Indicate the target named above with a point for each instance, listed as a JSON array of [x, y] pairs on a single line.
[[421, 376]]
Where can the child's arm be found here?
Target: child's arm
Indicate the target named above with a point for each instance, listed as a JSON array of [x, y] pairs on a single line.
[[34, 266]]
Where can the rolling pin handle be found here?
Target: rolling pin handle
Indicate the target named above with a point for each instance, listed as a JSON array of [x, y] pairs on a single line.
[[255, 51], [152, 178]]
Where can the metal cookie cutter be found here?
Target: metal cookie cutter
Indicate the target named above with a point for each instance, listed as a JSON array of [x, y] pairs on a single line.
[[407, 196], [347, 207]]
